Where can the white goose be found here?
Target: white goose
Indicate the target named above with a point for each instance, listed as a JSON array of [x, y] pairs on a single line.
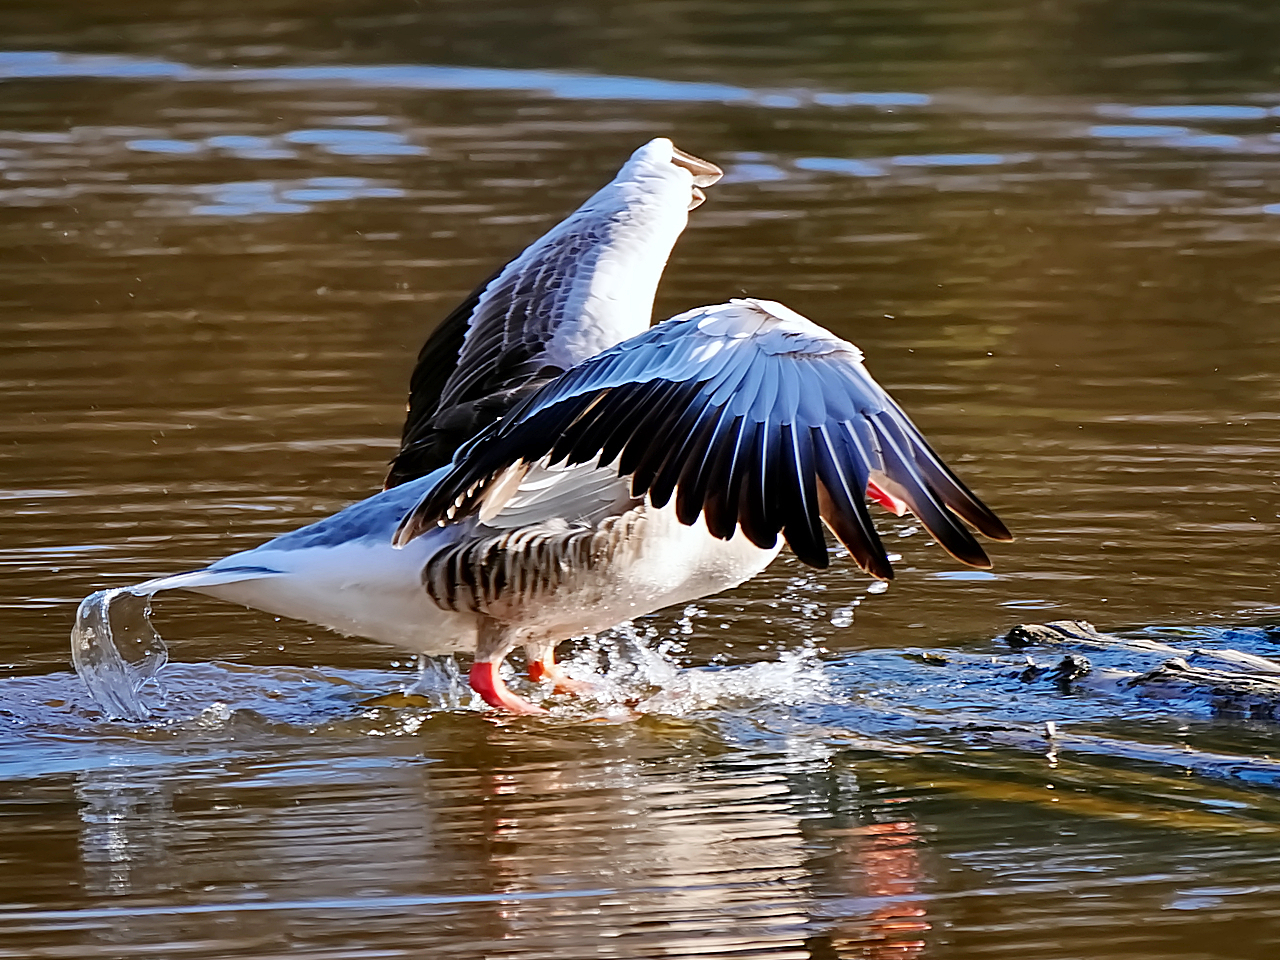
[[565, 466]]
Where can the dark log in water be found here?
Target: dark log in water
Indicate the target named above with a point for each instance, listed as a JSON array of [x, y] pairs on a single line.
[[1236, 682]]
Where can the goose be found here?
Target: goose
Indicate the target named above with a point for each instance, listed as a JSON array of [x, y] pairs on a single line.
[[565, 466]]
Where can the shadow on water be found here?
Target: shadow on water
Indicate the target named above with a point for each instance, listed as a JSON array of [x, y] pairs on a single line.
[[224, 232]]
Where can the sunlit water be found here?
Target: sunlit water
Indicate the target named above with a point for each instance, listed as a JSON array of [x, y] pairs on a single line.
[[226, 229]]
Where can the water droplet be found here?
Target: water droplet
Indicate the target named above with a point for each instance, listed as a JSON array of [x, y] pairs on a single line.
[[843, 617]]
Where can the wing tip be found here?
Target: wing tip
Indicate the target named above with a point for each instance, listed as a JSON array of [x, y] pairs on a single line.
[[999, 533], [883, 572], [969, 508]]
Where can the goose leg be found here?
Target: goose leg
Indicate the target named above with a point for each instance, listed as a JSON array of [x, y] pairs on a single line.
[[494, 643], [543, 666]]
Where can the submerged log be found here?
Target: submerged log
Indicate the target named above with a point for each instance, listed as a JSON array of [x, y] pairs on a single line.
[[1234, 681]]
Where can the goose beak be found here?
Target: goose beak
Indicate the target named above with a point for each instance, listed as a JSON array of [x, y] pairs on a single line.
[[697, 198], [704, 173]]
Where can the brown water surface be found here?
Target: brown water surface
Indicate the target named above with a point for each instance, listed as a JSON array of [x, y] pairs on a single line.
[[1053, 228]]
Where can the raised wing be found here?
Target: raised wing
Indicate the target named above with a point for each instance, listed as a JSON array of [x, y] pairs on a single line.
[[584, 286], [750, 416]]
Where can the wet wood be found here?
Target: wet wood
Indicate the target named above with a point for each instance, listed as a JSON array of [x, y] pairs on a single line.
[[1235, 681]]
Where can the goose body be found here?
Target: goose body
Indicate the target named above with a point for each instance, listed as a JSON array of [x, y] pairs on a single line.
[[549, 578], [565, 466]]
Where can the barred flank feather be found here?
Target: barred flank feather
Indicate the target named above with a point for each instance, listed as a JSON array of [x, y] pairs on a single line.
[[529, 563]]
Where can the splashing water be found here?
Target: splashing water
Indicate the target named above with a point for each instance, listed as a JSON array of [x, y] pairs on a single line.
[[118, 655], [117, 652], [441, 680], [796, 677], [628, 665], [624, 663]]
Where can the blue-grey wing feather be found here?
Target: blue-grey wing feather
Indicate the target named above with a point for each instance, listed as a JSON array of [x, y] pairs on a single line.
[[758, 432]]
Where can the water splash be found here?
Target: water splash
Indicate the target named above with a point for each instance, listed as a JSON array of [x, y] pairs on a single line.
[[796, 677], [443, 683], [639, 670], [117, 652]]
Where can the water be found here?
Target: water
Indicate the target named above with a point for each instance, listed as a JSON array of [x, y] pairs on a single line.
[[226, 229], [116, 652]]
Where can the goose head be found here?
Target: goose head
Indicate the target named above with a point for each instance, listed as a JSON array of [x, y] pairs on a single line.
[[663, 159]]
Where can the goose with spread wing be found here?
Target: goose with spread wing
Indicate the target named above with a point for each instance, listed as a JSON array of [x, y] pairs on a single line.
[[670, 467], [565, 466]]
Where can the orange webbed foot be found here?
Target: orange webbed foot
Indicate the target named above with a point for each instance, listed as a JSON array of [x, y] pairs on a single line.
[[547, 669], [486, 682]]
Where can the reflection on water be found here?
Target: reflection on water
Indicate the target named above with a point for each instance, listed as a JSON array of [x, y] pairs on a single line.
[[832, 814], [657, 838], [224, 232]]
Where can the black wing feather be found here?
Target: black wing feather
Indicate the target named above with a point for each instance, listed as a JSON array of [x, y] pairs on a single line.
[[722, 481], [437, 361], [799, 497], [842, 478], [635, 405], [942, 525], [647, 450], [958, 497], [688, 431], [759, 480], [691, 490]]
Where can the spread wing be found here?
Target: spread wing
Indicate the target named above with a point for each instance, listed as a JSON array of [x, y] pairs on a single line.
[[584, 286], [484, 357], [747, 414]]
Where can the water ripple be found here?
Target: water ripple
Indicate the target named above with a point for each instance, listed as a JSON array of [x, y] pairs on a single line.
[[51, 64]]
